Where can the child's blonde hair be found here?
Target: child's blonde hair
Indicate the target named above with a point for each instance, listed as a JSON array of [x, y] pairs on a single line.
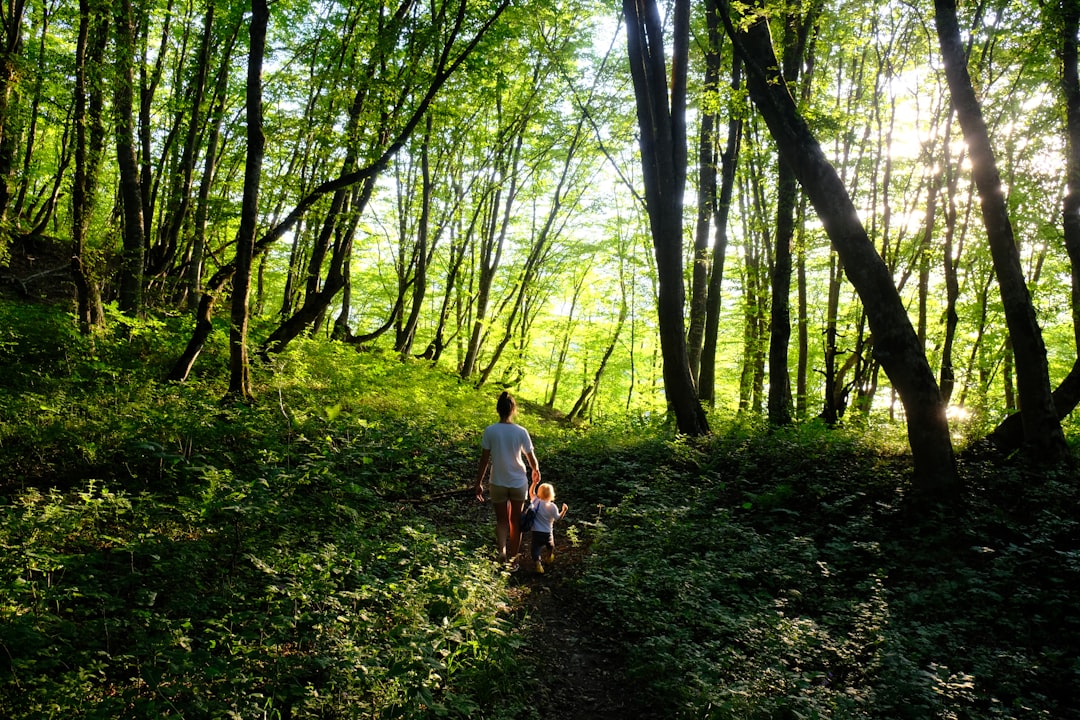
[[546, 491]]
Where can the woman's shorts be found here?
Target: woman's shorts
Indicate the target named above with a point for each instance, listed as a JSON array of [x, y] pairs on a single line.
[[501, 493]]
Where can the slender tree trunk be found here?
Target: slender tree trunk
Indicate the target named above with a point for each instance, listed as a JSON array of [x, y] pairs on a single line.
[[729, 159], [895, 341], [132, 257], [950, 263], [779, 403], [802, 361], [494, 228], [215, 119], [706, 202], [89, 142], [408, 331], [662, 121], [239, 379], [30, 137], [564, 345], [1043, 435], [179, 200], [539, 251], [796, 34], [11, 42]]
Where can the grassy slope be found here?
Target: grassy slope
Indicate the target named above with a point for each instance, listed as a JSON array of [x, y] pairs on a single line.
[[165, 554]]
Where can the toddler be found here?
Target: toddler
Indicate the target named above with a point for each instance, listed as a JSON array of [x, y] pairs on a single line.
[[547, 512]]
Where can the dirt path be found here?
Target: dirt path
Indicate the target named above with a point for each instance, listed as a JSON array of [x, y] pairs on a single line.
[[583, 671]]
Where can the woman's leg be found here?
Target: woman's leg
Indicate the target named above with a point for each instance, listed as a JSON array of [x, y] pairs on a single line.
[[515, 509], [503, 529]]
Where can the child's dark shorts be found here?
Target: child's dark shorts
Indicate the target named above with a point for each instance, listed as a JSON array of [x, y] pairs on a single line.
[[541, 540]]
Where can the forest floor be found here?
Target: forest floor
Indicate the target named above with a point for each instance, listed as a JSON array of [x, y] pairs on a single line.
[[580, 671]]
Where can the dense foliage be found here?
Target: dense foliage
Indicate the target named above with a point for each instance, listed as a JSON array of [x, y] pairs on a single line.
[[760, 576], [165, 554], [168, 554]]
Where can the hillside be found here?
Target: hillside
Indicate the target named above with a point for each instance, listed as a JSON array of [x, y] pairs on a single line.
[[318, 554]]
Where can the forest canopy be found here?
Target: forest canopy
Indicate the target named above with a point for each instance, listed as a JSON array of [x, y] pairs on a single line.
[[850, 211]]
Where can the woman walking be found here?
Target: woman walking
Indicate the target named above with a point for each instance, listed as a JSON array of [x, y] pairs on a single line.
[[506, 448]]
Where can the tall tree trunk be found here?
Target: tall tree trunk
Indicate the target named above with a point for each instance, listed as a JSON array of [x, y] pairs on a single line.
[[706, 200], [408, 330], [950, 262], [1043, 435], [132, 257], [895, 341], [539, 251], [802, 363], [756, 260], [149, 81], [494, 230], [11, 42], [215, 118], [239, 379], [796, 34], [31, 131], [663, 154], [729, 163], [89, 143], [564, 344], [179, 200]]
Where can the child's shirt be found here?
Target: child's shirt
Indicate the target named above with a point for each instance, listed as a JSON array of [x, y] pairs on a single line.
[[546, 515]]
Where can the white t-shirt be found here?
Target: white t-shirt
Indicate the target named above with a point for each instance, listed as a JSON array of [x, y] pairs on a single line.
[[546, 514], [507, 443]]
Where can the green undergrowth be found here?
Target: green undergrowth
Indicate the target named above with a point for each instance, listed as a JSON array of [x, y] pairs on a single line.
[[168, 553], [783, 576], [165, 552]]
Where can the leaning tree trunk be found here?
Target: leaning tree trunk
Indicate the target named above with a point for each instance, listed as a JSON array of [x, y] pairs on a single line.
[[1043, 435], [895, 341], [663, 157]]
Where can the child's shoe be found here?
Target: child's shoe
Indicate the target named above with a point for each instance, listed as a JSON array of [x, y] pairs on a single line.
[[539, 567]]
